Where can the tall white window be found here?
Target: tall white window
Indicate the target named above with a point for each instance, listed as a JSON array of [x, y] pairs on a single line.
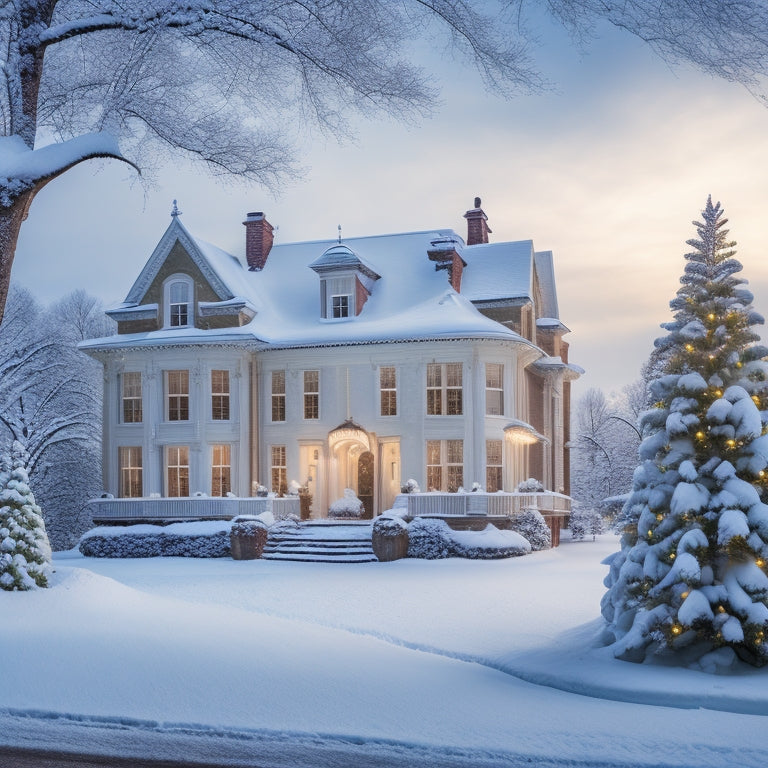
[[220, 395], [129, 459], [493, 465], [178, 302], [177, 395], [388, 390], [311, 394], [338, 294], [177, 470], [278, 395], [221, 470], [131, 397], [494, 389], [279, 469], [444, 389], [445, 465]]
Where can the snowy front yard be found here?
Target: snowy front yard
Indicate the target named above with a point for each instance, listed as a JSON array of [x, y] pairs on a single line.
[[447, 662]]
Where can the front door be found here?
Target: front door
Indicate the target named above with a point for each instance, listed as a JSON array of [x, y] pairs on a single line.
[[365, 484]]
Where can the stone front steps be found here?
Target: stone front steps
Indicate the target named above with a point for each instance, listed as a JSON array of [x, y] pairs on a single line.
[[321, 542]]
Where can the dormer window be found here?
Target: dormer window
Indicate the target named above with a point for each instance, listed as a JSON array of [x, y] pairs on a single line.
[[346, 282], [178, 302], [338, 292]]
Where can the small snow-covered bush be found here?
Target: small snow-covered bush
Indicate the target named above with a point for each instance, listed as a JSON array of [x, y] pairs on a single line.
[[348, 507], [531, 525], [390, 525], [433, 539], [585, 522], [429, 539], [204, 539], [411, 486], [531, 485]]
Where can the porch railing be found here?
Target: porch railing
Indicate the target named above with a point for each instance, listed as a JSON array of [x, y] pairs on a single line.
[[190, 508], [423, 504]]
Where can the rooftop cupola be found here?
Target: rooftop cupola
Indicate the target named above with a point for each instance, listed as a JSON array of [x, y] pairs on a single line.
[[258, 240], [477, 224]]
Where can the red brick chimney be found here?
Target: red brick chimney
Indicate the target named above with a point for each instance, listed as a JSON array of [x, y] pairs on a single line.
[[477, 225], [258, 240]]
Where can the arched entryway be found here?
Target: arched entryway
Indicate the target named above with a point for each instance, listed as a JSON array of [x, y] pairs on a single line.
[[352, 464]]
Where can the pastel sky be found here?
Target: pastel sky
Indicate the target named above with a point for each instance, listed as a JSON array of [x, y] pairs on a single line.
[[608, 170]]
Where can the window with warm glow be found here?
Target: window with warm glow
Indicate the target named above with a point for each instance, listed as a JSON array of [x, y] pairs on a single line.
[[444, 389], [131, 484], [278, 395], [131, 397], [177, 469], [311, 394], [493, 465], [221, 470], [445, 465], [388, 390], [220, 395], [279, 470], [177, 395]]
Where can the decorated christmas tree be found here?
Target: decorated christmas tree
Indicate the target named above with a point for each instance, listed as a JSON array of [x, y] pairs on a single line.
[[691, 577], [25, 554]]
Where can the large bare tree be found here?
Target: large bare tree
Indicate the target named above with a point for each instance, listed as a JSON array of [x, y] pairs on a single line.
[[232, 83]]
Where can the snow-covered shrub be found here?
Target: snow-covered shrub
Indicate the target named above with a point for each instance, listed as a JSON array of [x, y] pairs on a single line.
[[411, 486], [25, 554], [531, 525], [433, 539], [348, 507], [477, 488], [531, 485], [204, 539], [260, 490], [585, 522], [429, 539]]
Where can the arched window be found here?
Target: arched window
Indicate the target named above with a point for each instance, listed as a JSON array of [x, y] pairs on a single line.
[[178, 302]]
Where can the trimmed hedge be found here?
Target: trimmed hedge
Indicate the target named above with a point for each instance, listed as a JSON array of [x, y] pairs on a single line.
[[122, 542]]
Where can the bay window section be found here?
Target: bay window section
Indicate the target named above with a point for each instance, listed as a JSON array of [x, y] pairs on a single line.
[[445, 465], [493, 465]]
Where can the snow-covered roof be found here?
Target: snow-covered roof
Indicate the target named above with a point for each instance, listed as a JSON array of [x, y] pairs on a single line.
[[410, 301]]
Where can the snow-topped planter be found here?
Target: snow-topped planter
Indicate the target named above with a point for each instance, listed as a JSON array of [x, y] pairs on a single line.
[[247, 537], [433, 539], [349, 507], [199, 539], [389, 538]]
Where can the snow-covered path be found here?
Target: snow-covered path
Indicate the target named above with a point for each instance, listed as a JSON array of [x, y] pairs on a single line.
[[373, 664]]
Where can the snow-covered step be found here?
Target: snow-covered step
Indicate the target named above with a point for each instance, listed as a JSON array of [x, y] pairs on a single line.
[[324, 541]]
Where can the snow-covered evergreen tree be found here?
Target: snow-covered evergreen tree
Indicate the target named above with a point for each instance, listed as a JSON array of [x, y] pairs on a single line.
[[25, 554], [691, 575]]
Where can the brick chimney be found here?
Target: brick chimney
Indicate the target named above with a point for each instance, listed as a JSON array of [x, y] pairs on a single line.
[[477, 225], [258, 240]]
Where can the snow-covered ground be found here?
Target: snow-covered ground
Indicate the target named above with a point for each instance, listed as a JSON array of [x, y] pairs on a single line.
[[448, 662]]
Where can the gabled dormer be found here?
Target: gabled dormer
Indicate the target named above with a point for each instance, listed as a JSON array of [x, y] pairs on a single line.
[[184, 285], [346, 282]]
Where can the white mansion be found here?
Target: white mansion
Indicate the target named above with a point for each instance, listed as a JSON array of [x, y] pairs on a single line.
[[337, 364]]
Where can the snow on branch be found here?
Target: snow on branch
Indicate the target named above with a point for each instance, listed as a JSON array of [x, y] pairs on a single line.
[[22, 168]]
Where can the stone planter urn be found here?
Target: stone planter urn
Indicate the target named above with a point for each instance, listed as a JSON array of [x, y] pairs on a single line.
[[389, 539], [247, 537]]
